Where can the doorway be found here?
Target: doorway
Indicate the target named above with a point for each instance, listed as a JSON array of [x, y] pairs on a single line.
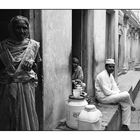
[[77, 34], [79, 38]]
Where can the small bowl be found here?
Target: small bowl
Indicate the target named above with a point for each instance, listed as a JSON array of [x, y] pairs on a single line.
[[76, 93]]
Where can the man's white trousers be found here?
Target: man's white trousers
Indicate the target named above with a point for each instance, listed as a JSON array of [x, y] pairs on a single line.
[[125, 101]]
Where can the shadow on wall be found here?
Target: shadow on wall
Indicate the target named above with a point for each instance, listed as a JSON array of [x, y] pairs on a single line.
[[70, 63], [94, 64]]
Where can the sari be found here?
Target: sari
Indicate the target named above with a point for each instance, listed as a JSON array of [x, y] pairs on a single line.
[[17, 87], [77, 73]]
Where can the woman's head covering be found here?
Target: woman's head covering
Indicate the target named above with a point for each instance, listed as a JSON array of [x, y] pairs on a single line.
[[14, 21]]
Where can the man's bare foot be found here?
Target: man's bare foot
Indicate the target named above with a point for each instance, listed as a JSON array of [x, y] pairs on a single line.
[[124, 128]]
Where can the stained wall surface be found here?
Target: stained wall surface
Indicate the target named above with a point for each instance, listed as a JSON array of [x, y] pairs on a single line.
[[56, 36], [99, 39]]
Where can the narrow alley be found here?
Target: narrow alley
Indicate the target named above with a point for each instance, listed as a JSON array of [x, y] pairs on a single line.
[[81, 57]]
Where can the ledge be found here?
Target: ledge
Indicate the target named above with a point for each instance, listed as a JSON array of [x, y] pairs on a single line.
[[110, 113], [111, 119]]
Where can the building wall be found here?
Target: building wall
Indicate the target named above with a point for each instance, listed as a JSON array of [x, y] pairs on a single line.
[[57, 47], [99, 39], [129, 52], [90, 52], [100, 33], [56, 36], [128, 45], [136, 52]]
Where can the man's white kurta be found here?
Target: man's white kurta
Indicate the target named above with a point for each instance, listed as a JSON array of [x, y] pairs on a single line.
[[105, 85], [107, 91]]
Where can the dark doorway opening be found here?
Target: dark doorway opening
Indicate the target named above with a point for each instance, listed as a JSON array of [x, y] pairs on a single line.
[[77, 34], [79, 39], [5, 16]]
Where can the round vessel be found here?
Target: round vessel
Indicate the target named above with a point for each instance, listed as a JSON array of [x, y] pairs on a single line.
[[89, 118], [73, 108]]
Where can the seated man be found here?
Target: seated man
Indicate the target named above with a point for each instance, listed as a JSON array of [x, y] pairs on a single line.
[[107, 92]]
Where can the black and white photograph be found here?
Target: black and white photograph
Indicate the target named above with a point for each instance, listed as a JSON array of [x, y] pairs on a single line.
[[70, 70]]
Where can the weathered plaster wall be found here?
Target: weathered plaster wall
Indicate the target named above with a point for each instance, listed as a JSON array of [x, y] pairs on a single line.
[[125, 48], [133, 50], [99, 39], [90, 53], [116, 42], [56, 41], [137, 50], [128, 45], [100, 47]]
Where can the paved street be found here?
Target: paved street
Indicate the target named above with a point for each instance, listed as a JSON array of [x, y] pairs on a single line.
[[135, 121]]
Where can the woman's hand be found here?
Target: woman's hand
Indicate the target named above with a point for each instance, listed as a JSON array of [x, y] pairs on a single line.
[[27, 66]]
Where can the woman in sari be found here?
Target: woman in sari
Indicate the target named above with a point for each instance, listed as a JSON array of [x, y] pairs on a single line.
[[18, 79]]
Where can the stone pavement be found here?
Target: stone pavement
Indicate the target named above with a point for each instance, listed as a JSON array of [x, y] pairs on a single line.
[[135, 119], [128, 80], [125, 82]]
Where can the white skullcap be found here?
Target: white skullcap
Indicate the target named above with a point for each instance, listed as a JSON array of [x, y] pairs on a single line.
[[109, 61]]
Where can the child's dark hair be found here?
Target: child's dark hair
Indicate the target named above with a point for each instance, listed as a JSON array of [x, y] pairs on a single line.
[[75, 60]]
